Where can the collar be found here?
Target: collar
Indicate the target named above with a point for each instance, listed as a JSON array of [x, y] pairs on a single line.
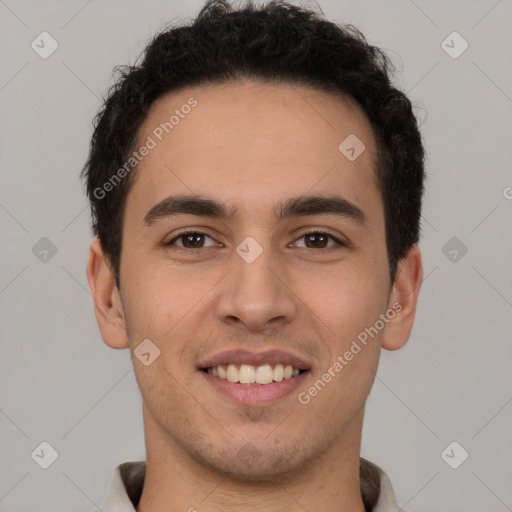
[[127, 481]]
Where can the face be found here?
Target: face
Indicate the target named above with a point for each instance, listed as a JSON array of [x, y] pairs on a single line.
[[262, 279]]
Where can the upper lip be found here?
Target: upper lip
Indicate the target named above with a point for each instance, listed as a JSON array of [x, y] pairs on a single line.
[[255, 359]]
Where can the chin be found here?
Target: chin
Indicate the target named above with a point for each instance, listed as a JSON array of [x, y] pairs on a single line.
[[250, 464]]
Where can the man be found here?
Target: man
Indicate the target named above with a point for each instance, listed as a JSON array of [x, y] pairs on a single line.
[[256, 188]]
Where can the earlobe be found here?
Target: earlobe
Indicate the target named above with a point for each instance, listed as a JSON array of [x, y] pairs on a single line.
[[403, 300], [107, 301]]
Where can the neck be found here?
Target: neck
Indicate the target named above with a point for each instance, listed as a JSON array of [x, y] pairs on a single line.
[[175, 482]]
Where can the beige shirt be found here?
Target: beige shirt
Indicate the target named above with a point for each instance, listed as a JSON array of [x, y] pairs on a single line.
[[126, 483]]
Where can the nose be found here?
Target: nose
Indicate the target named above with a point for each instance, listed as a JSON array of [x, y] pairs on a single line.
[[257, 294]]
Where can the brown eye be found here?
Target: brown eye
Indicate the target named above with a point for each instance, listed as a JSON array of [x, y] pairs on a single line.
[[319, 240], [190, 240], [193, 240]]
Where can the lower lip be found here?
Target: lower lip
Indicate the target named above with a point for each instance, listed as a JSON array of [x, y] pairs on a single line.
[[255, 394]]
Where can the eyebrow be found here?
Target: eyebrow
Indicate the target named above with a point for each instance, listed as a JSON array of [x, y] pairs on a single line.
[[293, 207]]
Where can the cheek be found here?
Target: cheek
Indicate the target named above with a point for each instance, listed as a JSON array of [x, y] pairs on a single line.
[[156, 297], [352, 344], [346, 300], [163, 305], [348, 304]]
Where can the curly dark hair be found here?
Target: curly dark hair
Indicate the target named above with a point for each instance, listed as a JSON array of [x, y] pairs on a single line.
[[277, 42]]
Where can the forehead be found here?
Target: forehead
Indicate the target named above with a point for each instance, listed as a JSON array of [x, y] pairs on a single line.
[[249, 143]]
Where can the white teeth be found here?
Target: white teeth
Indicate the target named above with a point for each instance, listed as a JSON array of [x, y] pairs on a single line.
[[278, 373], [264, 374], [248, 374], [223, 374], [232, 375]]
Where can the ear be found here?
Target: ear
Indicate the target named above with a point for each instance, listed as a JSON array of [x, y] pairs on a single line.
[[107, 301], [403, 299]]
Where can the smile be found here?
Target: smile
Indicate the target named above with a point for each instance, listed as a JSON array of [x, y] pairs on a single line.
[[250, 374], [254, 378]]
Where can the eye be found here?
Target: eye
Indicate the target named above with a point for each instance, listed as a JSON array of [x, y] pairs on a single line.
[[319, 239], [190, 240]]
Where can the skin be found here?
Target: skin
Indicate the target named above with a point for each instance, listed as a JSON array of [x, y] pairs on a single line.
[[253, 145]]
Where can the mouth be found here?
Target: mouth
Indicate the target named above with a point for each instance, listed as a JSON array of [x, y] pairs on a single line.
[[249, 374], [254, 379]]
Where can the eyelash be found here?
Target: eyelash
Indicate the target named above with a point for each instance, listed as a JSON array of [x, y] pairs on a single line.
[[312, 232]]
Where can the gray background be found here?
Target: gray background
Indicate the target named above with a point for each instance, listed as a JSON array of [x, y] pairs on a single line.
[[59, 383]]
